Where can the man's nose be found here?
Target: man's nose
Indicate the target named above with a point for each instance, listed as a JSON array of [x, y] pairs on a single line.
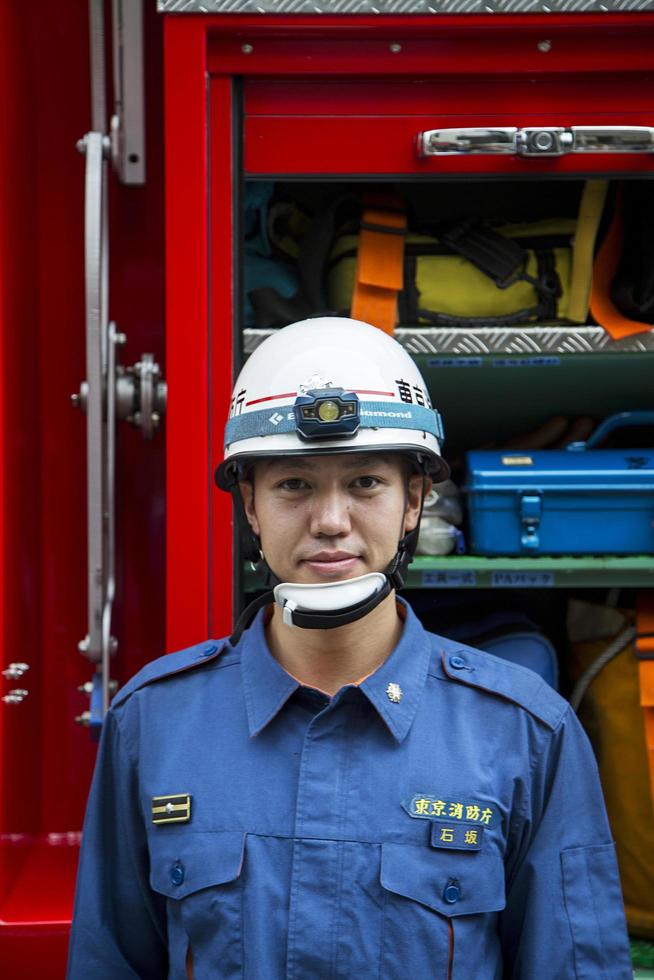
[[330, 514]]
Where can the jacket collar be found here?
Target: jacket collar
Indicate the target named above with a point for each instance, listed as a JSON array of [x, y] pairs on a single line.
[[394, 689], [403, 674]]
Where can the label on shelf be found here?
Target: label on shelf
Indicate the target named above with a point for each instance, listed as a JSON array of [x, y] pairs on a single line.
[[517, 362], [464, 362], [448, 580], [522, 580]]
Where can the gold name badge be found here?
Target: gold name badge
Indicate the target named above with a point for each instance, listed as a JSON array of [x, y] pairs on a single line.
[[171, 809]]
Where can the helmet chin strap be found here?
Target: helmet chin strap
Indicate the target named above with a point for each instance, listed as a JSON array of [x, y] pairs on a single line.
[[323, 607]]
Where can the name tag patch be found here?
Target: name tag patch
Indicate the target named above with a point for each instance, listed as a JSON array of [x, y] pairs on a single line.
[[175, 808], [429, 807], [458, 837]]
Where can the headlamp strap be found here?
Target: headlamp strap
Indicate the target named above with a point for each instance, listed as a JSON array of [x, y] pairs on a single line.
[[373, 414]]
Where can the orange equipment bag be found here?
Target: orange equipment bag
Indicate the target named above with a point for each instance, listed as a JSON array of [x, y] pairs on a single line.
[[611, 714]]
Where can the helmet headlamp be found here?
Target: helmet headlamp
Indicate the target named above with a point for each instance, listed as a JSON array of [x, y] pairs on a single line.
[[325, 413]]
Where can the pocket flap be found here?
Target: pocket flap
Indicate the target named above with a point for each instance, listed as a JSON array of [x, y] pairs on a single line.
[[183, 863], [451, 882]]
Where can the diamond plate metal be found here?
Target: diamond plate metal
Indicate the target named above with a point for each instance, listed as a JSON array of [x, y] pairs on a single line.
[[401, 6], [554, 339]]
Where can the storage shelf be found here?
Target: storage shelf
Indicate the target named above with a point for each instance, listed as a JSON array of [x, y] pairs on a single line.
[[544, 572], [565, 572], [468, 343]]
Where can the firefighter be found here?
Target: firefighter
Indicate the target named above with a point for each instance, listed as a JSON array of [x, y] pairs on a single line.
[[333, 791]]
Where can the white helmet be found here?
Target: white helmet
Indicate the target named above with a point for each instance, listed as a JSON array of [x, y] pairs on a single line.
[[330, 385], [322, 386]]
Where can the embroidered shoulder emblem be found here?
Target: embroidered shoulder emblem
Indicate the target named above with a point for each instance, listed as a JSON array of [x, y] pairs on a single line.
[[171, 809]]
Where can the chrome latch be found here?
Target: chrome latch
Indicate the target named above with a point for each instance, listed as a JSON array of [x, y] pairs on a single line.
[[531, 508], [536, 141]]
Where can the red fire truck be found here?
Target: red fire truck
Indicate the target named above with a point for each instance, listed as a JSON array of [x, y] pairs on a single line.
[[133, 136]]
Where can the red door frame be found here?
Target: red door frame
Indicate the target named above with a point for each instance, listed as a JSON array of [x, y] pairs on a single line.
[[46, 759]]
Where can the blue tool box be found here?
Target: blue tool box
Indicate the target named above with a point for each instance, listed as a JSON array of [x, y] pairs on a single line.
[[578, 501]]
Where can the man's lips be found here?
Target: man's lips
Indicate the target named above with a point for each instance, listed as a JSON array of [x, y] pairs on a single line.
[[331, 561]]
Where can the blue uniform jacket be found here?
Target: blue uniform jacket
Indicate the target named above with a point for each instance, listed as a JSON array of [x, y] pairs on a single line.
[[443, 819]]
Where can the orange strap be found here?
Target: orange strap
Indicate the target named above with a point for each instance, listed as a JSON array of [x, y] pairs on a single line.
[[378, 277], [604, 269], [645, 647]]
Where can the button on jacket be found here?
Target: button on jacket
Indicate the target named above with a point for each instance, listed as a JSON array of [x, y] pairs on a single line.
[[442, 819]]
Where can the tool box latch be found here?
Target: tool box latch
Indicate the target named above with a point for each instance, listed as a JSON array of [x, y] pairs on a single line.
[[531, 508]]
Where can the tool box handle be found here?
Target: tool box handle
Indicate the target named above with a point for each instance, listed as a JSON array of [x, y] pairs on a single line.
[[617, 421]]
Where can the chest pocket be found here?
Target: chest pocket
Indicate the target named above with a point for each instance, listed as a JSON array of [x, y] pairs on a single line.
[[438, 901], [201, 876]]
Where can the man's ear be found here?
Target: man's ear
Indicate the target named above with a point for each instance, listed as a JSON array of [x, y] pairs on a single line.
[[414, 499], [246, 488]]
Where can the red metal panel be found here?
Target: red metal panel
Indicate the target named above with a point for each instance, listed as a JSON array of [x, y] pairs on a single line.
[[20, 563], [187, 334], [37, 873], [292, 145], [66, 754], [61, 768], [223, 279], [43, 498], [369, 126], [46, 758], [137, 305], [450, 46], [423, 94]]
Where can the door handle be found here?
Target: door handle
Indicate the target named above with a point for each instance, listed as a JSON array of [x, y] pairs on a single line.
[[108, 393], [536, 141], [100, 426]]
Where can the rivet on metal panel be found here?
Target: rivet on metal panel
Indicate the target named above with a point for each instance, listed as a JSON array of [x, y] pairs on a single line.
[[247, 48], [17, 696], [544, 46], [14, 671], [395, 48]]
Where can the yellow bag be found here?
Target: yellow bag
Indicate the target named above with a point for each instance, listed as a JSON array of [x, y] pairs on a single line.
[[611, 714], [450, 287], [487, 274]]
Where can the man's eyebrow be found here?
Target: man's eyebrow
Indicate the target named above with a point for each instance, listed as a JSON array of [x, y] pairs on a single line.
[[369, 459]]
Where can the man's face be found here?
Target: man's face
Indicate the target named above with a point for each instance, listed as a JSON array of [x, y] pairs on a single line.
[[327, 518]]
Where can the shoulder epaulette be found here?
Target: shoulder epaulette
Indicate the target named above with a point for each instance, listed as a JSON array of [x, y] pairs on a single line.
[[170, 664], [505, 679]]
